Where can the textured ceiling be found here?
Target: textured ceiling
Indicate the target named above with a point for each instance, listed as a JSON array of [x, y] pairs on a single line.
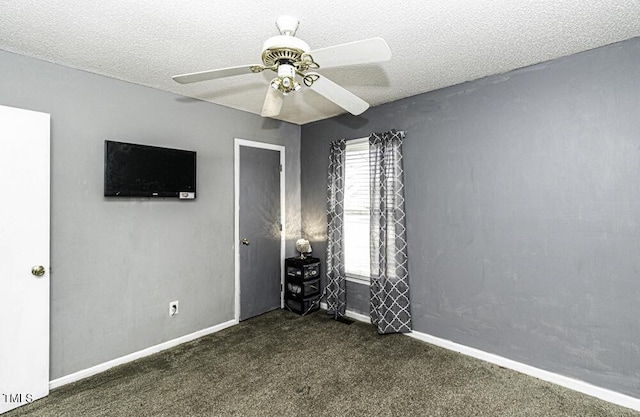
[[435, 43]]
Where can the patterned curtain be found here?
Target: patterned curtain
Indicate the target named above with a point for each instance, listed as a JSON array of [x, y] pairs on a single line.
[[336, 283], [389, 297]]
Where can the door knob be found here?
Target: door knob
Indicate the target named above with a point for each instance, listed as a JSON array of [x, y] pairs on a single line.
[[245, 242], [38, 270]]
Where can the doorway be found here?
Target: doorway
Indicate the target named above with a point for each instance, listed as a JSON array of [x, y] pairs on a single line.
[[259, 235]]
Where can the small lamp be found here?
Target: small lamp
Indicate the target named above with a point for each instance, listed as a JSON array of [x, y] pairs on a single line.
[[303, 246]]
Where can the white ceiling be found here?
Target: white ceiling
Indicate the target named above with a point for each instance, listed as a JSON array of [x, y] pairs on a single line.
[[435, 43]]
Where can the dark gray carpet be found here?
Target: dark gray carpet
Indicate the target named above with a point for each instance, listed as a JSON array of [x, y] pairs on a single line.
[[281, 364]]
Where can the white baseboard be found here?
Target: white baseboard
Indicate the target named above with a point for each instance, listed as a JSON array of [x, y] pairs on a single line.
[[571, 383], [351, 314], [76, 376], [563, 381]]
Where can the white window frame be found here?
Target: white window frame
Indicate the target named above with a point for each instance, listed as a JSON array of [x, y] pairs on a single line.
[[351, 276]]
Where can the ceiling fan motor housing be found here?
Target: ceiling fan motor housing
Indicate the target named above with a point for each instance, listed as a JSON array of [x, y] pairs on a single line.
[[283, 49]]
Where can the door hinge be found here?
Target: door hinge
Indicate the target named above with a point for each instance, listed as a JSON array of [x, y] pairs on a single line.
[[280, 167], [280, 225]]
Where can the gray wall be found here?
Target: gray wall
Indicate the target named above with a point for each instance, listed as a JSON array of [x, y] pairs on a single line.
[[117, 263], [523, 211]]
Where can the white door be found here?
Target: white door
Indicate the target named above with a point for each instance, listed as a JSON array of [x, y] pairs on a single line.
[[24, 256]]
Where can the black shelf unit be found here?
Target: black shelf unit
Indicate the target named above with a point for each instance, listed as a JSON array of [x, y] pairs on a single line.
[[302, 284]]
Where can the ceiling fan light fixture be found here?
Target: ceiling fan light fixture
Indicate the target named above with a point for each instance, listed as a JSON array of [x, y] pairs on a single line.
[[287, 78], [285, 85]]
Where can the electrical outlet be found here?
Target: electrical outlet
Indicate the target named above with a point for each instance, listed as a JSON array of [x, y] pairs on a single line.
[[173, 308]]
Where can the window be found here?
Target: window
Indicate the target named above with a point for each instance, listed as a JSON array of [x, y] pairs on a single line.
[[357, 210]]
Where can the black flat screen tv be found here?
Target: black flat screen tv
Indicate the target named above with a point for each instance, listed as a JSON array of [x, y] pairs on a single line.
[[132, 170]]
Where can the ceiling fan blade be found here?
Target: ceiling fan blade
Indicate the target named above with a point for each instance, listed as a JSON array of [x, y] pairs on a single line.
[[272, 103], [342, 97], [352, 53], [213, 74]]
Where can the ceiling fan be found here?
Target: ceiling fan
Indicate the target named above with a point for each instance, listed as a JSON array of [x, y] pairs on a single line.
[[292, 59]]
